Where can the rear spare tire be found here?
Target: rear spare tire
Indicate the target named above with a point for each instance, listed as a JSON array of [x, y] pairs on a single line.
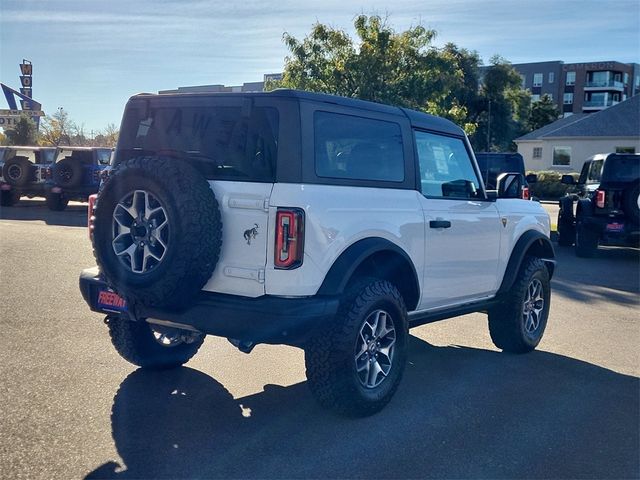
[[67, 173], [157, 231], [632, 203], [18, 171]]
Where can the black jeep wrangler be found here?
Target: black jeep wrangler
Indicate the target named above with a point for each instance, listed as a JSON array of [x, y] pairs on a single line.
[[607, 204], [494, 164]]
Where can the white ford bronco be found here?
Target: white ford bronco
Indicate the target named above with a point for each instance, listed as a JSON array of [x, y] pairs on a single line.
[[311, 220]]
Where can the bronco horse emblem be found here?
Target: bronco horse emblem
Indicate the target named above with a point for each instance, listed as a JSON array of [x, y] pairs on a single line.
[[251, 233]]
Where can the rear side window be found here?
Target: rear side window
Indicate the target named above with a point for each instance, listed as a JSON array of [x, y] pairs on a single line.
[[103, 156], [83, 156], [357, 148], [595, 171], [232, 143], [446, 170]]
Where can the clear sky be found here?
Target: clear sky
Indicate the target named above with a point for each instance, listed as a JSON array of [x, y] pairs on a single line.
[[89, 56]]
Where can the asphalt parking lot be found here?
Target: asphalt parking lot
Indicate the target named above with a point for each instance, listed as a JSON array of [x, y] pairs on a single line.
[[72, 408]]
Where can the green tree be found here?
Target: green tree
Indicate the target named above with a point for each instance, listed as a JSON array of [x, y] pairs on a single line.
[[543, 112], [58, 129], [503, 108], [24, 132], [398, 68]]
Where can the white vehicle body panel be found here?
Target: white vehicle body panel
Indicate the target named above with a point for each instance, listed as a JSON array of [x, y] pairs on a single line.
[[461, 262], [244, 206], [336, 218]]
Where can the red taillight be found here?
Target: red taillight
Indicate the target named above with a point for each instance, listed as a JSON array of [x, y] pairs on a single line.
[[289, 238], [91, 217], [525, 193], [600, 198]]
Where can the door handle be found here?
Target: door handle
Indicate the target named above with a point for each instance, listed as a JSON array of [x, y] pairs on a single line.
[[439, 224]]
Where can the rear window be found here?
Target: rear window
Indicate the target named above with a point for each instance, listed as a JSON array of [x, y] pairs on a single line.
[[357, 148], [621, 168], [227, 142], [492, 165]]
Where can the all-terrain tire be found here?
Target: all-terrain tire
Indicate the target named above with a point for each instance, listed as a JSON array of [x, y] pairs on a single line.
[[632, 203], [8, 198], [68, 172], [566, 231], [330, 356], [134, 341], [586, 241], [18, 171], [508, 322], [194, 231], [56, 202]]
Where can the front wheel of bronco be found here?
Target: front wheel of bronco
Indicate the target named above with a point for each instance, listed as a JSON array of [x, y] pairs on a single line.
[[518, 322], [153, 346], [355, 362]]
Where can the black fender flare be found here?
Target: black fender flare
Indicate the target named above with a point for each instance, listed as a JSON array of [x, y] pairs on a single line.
[[531, 240], [337, 279]]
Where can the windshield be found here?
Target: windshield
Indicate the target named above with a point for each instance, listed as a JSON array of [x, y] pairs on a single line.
[[622, 168], [228, 142]]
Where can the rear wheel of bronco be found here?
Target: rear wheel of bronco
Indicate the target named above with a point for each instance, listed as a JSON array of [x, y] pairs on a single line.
[[56, 202], [153, 346], [355, 363], [157, 231], [8, 198], [586, 241], [518, 322]]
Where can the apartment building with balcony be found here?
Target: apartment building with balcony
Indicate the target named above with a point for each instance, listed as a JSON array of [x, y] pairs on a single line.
[[581, 87]]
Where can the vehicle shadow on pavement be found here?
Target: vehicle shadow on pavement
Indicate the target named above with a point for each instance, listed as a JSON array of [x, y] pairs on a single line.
[[74, 215], [611, 275], [459, 413]]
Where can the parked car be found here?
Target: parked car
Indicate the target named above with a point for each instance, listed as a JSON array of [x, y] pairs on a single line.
[[604, 206], [494, 164], [23, 172], [76, 174], [296, 218]]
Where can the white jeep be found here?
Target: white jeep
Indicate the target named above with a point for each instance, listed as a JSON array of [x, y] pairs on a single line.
[[311, 220]]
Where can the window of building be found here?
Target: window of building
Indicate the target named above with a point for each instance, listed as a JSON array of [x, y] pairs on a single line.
[[568, 98], [537, 79], [567, 114], [552, 76], [445, 167], [626, 78], [562, 156], [625, 149], [537, 152], [571, 78], [357, 148], [535, 97], [524, 80]]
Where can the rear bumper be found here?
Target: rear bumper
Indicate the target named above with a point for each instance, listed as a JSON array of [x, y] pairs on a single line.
[[625, 234], [266, 319]]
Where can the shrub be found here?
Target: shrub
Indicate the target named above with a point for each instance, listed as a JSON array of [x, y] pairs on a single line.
[[548, 186]]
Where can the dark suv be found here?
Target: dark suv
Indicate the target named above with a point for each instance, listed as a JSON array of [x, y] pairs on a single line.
[[76, 174], [494, 164], [607, 204], [23, 172]]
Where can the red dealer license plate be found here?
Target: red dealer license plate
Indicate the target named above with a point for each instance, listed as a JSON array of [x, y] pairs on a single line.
[[615, 227], [108, 300]]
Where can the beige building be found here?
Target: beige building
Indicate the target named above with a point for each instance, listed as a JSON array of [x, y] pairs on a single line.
[[565, 144]]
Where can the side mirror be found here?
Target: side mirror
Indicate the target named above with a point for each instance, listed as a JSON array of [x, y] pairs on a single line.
[[568, 180], [532, 178], [510, 185]]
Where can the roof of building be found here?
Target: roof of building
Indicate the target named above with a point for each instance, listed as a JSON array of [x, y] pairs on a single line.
[[621, 120]]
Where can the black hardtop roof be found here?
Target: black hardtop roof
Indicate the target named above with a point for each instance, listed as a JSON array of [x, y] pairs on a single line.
[[417, 119], [27, 147]]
